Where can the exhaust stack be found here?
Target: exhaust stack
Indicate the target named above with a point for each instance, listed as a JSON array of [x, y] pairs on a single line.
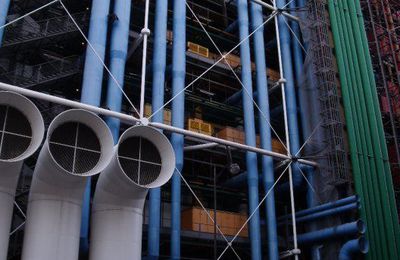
[[79, 144], [143, 159], [21, 133]]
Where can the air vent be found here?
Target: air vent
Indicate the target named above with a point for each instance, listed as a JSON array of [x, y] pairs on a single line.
[[75, 147], [15, 133], [140, 160]]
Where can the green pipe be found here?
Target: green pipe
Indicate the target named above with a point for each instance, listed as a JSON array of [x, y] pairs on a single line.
[[359, 111], [376, 137], [371, 163], [380, 244], [366, 97], [374, 163], [352, 128], [385, 156]]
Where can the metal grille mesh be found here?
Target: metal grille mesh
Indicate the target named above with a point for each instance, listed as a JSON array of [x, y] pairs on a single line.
[[75, 147], [140, 160], [15, 133]]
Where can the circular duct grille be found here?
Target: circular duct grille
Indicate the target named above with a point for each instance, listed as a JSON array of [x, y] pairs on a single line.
[[15, 133], [140, 160], [75, 147]]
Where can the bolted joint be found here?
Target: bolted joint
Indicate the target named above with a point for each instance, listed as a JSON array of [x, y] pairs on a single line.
[[290, 253], [145, 31], [294, 158], [144, 121], [282, 81], [296, 251]]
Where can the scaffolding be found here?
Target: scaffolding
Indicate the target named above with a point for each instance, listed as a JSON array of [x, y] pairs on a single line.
[[321, 63]]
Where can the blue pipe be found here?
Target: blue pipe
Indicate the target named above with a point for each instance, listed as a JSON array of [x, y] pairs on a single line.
[[158, 70], [232, 28], [348, 229], [236, 98], [3, 16], [93, 70], [324, 207], [249, 126], [265, 130], [308, 108], [178, 115], [353, 247], [91, 89], [118, 53], [329, 205], [238, 181], [291, 103], [326, 213]]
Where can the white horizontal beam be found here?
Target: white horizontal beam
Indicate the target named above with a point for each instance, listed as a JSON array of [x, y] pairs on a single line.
[[133, 120]]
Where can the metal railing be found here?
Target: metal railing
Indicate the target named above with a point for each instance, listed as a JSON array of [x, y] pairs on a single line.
[[29, 76], [25, 31]]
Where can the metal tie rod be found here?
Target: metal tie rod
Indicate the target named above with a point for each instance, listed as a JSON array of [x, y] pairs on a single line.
[[272, 8], [133, 120]]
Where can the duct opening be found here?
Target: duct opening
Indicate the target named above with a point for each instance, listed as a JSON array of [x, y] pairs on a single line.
[[363, 244], [15, 133], [140, 160], [75, 147], [361, 227]]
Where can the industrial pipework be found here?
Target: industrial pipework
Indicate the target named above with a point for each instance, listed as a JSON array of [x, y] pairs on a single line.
[[22, 131], [369, 157], [3, 16], [92, 86], [178, 119], [249, 127], [348, 229], [78, 145], [159, 63], [265, 129], [118, 52], [143, 159], [353, 247]]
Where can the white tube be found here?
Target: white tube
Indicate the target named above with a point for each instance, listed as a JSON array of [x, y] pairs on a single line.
[[117, 213], [16, 112], [78, 144], [132, 120]]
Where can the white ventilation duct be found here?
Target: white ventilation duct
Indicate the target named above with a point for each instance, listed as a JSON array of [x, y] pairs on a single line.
[[79, 144], [143, 159], [21, 133]]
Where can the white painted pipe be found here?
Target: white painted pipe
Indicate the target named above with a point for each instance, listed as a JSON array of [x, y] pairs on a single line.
[[21, 131], [79, 144], [143, 159]]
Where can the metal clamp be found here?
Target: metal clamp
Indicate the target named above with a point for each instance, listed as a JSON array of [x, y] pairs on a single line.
[[289, 253], [145, 31]]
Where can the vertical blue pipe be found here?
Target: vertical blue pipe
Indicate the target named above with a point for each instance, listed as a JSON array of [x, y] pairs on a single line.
[[158, 69], [93, 70], [91, 88], [291, 103], [309, 110], [309, 107], [265, 130], [5, 4], [178, 116], [118, 53], [249, 126]]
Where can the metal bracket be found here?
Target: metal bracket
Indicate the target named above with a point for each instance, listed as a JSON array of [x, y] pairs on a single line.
[[289, 253]]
